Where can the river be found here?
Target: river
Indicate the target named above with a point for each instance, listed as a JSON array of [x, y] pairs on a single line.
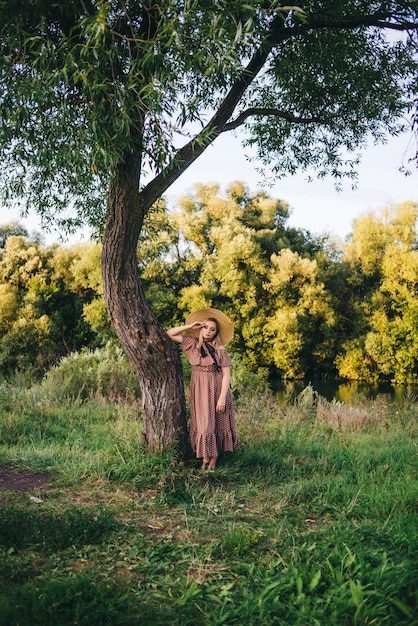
[[346, 392]]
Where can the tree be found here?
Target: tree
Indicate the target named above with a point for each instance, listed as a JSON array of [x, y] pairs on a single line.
[[392, 342], [51, 303], [243, 258], [303, 320], [167, 265], [229, 241], [125, 95], [86, 281], [10, 230], [384, 337], [26, 340]]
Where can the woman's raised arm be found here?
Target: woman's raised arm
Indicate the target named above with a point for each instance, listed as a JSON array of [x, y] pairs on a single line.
[[176, 333]]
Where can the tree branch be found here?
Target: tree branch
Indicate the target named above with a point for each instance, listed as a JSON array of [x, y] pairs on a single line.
[[273, 113], [186, 155], [378, 19], [277, 34], [392, 26]]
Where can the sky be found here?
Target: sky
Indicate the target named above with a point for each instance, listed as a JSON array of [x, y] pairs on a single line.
[[315, 206]]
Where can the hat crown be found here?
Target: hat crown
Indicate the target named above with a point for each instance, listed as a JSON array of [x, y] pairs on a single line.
[[226, 327]]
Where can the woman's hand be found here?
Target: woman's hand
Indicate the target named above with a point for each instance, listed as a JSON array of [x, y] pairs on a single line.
[[196, 325], [226, 377]]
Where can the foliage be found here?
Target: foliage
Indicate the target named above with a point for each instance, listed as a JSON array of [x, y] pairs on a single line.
[[312, 521], [51, 303], [28, 345], [236, 245], [14, 229], [104, 372], [302, 306], [84, 85], [163, 252], [303, 320], [383, 258]]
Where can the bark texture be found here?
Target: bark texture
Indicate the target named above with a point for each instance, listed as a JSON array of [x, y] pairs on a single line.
[[153, 354]]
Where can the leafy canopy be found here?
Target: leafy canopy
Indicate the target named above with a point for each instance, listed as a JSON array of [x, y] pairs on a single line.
[[383, 260], [86, 85]]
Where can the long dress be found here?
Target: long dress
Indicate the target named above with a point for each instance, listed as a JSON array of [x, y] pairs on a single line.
[[210, 432]]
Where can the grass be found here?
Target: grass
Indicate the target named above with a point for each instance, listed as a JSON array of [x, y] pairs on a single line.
[[312, 522]]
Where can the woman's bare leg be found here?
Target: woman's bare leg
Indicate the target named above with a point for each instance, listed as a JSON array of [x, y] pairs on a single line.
[[212, 462]]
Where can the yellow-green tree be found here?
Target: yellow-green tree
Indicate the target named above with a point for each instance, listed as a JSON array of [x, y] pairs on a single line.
[[384, 259], [229, 240], [300, 329], [26, 340], [51, 302], [238, 244]]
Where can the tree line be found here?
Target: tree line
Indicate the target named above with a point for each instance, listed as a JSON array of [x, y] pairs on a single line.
[[303, 306]]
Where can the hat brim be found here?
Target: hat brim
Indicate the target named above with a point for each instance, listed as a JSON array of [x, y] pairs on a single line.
[[226, 326]]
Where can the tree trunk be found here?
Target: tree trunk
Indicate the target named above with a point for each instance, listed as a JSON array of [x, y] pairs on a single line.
[[154, 356]]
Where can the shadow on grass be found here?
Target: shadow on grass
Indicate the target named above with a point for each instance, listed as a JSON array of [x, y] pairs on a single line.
[[22, 527]]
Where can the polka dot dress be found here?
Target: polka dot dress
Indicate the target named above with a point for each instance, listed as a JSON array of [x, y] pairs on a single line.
[[210, 432]]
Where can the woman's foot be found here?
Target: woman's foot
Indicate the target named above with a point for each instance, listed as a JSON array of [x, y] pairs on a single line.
[[212, 463], [205, 465]]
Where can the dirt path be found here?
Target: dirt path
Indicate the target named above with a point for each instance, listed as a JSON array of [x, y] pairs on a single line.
[[22, 480]]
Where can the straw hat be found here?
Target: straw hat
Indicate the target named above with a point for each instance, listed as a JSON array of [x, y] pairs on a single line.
[[226, 326]]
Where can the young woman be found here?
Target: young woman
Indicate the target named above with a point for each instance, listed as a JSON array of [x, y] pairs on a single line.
[[212, 420]]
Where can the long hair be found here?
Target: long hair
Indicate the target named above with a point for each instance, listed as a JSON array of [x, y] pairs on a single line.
[[217, 344]]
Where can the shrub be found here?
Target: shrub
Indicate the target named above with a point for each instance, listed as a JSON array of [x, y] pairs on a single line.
[[104, 372]]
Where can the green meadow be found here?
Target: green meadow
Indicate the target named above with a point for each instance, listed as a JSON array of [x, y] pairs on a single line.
[[312, 522]]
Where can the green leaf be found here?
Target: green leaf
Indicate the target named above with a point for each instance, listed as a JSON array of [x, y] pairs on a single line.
[[315, 580]]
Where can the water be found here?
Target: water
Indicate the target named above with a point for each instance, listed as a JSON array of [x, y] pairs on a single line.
[[346, 392]]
